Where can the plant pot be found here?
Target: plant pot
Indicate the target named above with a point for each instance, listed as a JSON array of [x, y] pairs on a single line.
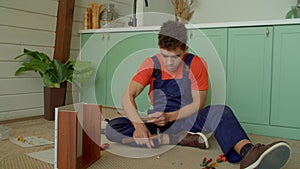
[[53, 97]]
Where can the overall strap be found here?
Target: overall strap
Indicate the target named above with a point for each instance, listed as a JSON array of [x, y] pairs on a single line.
[[188, 61], [157, 67]]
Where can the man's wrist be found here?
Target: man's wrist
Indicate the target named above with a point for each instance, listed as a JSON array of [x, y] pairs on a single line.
[[137, 124], [172, 116]]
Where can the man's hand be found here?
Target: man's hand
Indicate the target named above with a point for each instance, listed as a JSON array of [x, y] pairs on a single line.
[[141, 136], [158, 118]]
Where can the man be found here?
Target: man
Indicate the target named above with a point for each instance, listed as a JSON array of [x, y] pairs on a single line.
[[178, 88]]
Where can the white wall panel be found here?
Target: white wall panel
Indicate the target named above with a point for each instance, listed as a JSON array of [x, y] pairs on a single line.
[[16, 18], [78, 15], [46, 7], [8, 69], [9, 51], [76, 27], [19, 102], [27, 24], [208, 11], [124, 8], [21, 36], [75, 42], [74, 54], [21, 86]]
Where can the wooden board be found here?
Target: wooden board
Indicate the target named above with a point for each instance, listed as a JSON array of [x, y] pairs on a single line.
[[90, 119]]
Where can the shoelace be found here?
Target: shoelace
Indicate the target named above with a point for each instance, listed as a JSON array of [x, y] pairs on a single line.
[[259, 147]]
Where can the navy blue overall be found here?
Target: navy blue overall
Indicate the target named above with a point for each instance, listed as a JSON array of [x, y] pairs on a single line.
[[172, 94]]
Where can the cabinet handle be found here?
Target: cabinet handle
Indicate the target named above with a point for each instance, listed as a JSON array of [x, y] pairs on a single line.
[[103, 37], [191, 35], [108, 36], [267, 32]]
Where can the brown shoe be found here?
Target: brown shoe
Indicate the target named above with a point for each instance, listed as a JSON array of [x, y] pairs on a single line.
[[271, 156], [193, 140]]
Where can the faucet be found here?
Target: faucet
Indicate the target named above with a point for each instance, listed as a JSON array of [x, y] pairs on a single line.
[[298, 9], [133, 19]]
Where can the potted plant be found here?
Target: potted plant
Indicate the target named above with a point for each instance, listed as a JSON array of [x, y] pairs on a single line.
[[55, 75]]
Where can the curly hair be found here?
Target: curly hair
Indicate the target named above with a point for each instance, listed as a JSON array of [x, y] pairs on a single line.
[[172, 34]]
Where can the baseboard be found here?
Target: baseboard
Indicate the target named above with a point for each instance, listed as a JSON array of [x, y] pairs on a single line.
[[21, 119], [273, 131]]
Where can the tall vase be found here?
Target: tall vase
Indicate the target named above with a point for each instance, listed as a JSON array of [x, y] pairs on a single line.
[[53, 97], [107, 15]]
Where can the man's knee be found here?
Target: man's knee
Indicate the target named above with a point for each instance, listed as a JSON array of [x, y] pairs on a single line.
[[117, 128], [224, 109], [228, 113]]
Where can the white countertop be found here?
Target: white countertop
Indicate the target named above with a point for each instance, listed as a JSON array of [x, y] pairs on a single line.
[[204, 25]]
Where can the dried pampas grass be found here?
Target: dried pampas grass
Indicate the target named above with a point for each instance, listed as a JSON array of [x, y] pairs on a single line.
[[183, 10], [91, 16]]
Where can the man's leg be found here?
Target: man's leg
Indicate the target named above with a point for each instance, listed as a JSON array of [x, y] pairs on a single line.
[[121, 128], [227, 131], [235, 143], [218, 119], [183, 132]]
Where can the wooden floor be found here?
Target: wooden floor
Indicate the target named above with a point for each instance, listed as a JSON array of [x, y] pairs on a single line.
[[13, 156]]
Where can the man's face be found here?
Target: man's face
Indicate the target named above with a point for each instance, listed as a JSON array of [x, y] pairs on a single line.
[[172, 58]]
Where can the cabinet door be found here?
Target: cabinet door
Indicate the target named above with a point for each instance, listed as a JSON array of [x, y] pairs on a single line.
[[126, 51], [286, 77], [249, 73], [93, 47], [211, 44]]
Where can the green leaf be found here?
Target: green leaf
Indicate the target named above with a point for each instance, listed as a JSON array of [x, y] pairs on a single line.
[[21, 70], [38, 55], [17, 57], [54, 72], [49, 82], [70, 65], [37, 65], [61, 71], [82, 71]]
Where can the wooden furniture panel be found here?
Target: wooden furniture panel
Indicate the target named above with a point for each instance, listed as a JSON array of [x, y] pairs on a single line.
[[67, 144], [67, 139]]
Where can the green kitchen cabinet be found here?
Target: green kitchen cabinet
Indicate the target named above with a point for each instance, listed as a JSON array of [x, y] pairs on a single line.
[[249, 73], [211, 45], [126, 51], [93, 48], [115, 57], [252, 69], [286, 77]]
